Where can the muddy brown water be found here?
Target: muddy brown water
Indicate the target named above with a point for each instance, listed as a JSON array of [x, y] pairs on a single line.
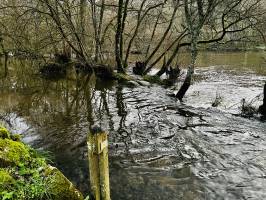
[[159, 148]]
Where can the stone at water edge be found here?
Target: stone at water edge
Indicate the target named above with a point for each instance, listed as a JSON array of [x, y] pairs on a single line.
[[132, 84], [60, 186]]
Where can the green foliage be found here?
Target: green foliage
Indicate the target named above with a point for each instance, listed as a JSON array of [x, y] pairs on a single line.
[[24, 174], [13, 153], [6, 181], [7, 195], [23, 178], [29, 183], [4, 133], [15, 137]]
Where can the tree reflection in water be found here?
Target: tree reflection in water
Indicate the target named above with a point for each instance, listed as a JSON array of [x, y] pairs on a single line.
[[159, 149]]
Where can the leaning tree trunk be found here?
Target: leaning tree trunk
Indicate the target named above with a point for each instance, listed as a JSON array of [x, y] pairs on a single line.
[[163, 69], [139, 21], [262, 108], [264, 98], [194, 32], [182, 91], [163, 37], [194, 52]]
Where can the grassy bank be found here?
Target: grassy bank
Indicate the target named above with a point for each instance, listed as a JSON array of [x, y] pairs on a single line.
[[25, 174]]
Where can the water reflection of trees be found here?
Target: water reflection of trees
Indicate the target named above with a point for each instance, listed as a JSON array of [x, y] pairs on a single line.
[[62, 112], [81, 99]]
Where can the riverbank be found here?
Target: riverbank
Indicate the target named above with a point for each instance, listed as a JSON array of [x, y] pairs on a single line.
[[24, 174]]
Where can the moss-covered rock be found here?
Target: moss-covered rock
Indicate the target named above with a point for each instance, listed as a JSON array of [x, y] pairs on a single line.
[[12, 153], [132, 84], [15, 137], [144, 83], [4, 133], [59, 187], [6, 180], [24, 174]]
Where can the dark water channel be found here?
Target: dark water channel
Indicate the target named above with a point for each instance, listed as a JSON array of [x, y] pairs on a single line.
[[159, 148]]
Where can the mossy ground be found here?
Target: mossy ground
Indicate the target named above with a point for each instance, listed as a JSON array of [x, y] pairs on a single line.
[[153, 79], [25, 175]]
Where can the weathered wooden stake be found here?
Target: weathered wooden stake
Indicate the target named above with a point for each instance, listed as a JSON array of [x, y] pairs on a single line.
[[98, 163]]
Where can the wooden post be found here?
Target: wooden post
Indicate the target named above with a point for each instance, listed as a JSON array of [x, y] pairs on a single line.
[[98, 163]]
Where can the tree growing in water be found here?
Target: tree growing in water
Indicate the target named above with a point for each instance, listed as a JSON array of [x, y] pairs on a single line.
[[109, 31], [262, 108], [214, 21]]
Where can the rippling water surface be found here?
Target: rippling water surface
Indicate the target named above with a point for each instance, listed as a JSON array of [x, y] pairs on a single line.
[[159, 148]]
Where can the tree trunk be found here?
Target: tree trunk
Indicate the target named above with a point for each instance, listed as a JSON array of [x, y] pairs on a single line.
[[118, 38], [264, 97], [194, 51], [139, 20], [262, 108], [6, 60], [82, 20], [194, 31], [163, 68], [162, 38], [182, 91], [174, 53], [99, 32], [123, 24], [97, 20], [162, 71], [153, 34]]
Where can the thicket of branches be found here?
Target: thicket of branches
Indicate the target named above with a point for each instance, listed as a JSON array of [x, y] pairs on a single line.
[[125, 31]]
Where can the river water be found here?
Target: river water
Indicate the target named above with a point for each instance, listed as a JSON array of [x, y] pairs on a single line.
[[159, 148]]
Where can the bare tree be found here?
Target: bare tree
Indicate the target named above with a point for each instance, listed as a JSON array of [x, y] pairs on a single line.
[[140, 19], [224, 19], [5, 52], [97, 19], [159, 28], [119, 35]]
